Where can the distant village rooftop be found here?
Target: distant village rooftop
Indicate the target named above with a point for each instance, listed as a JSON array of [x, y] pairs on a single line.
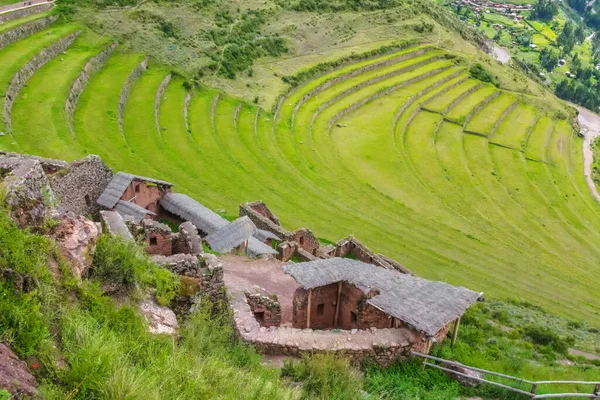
[[426, 305]]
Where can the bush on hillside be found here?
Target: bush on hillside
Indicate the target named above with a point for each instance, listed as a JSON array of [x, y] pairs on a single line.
[[124, 263], [478, 71]]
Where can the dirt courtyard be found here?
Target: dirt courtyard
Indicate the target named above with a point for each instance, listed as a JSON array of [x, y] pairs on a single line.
[[241, 273]]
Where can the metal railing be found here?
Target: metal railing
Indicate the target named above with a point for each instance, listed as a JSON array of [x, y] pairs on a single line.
[[595, 393]]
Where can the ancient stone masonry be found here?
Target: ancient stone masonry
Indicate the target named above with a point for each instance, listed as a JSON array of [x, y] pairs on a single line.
[[186, 107], [265, 307], [352, 246], [159, 93], [25, 12], [188, 240], [158, 237], [479, 106], [264, 219], [25, 30], [28, 192], [94, 65], [79, 184], [201, 277], [129, 82], [458, 99], [501, 118], [441, 93], [20, 79], [212, 110]]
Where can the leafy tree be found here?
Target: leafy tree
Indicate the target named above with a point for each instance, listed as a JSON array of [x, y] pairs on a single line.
[[478, 71], [578, 5], [548, 59], [566, 39], [545, 9]]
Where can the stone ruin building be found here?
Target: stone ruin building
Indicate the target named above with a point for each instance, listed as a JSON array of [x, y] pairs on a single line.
[[347, 306]]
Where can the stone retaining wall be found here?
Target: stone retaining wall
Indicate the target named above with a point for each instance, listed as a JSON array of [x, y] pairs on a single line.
[[212, 110], [186, 108], [129, 82], [25, 30], [480, 106], [264, 223], [266, 306], [504, 114], [22, 77], [461, 97], [159, 93], [25, 12], [94, 65], [441, 93], [373, 81]]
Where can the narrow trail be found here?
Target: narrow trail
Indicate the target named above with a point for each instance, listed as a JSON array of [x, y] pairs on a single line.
[[590, 123]]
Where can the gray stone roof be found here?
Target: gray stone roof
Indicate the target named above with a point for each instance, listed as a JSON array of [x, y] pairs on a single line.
[[426, 305], [189, 209], [231, 235], [263, 235], [115, 225], [130, 208], [256, 248], [115, 189]]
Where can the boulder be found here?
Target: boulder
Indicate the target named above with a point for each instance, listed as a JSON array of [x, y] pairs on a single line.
[[162, 320], [76, 237], [463, 380], [15, 376]]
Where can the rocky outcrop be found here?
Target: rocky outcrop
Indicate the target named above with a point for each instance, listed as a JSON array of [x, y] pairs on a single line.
[[25, 30], [25, 12], [162, 320], [15, 376], [159, 94], [462, 379], [94, 65], [22, 77], [126, 91], [20, 282], [188, 241], [76, 237]]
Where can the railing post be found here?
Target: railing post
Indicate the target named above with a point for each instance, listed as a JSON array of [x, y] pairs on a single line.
[[533, 390], [596, 392]]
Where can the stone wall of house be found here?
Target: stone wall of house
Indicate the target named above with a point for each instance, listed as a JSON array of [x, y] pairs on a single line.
[[158, 237], [266, 308], [129, 82], [306, 240], [201, 278], [94, 65], [25, 30], [188, 241], [22, 77], [25, 12], [421, 343], [354, 247], [144, 195], [264, 219], [79, 185]]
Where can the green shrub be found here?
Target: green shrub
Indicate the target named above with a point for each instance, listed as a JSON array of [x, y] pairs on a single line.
[[325, 376], [546, 337], [478, 71], [121, 262]]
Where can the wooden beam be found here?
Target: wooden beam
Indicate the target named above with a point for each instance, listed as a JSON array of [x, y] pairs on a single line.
[[308, 308], [455, 332], [427, 348], [337, 305]]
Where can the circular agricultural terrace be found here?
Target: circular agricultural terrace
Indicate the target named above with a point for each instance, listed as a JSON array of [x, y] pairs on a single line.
[[455, 179]]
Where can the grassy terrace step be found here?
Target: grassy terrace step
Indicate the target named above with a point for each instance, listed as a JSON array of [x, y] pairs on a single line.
[[538, 138], [512, 135], [460, 111], [5, 27], [440, 103], [46, 130], [15, 56], [96, 123], [484, 121]]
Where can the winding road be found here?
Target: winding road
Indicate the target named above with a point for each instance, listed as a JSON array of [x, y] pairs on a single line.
[[590, 123]]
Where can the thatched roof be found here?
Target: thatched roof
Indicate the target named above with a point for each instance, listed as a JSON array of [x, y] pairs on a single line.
[[263, 235], [256, 248], [133, 210], [189, 209], [231, 235], [115, 225], [115, 189], [426, 305]]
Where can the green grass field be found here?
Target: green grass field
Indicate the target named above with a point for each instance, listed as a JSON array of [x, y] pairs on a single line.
[[505, 211]]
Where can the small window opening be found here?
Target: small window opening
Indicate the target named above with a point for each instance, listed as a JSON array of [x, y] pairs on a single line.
[[321, 309], [260, 317], [88, 201], [301, 241], [137, 188], [353, 317], [153, 241], [371, 259]]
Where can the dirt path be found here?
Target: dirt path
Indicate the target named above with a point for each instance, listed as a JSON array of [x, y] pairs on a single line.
[[19, 5], [590, 123]]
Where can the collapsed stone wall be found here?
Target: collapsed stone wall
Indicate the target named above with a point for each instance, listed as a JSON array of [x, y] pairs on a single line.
[[266, 306], [126, 91], [264, 220], [94, 65], [159, 94], [25, 30], [25, 12], [22, 77], [188, 241], [79, 185]]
